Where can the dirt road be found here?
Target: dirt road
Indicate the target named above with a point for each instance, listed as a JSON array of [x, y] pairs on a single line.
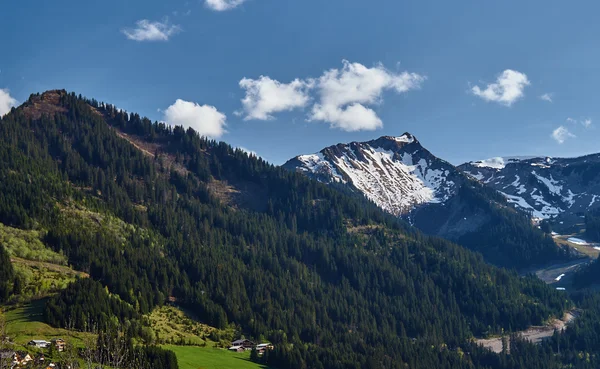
[[533, 334]]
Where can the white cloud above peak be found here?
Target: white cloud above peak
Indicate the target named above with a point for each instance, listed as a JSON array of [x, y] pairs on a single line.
[[508, 88], [546, 97], [342, 95], [266, 96], [223, 5], [146, 30], [204, 119], [7, 102], [561, 134], [345, 93]]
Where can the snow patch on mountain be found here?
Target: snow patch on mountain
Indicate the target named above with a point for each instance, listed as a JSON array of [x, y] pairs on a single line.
[[316, 163], [396, 173], [545, 186], [500, 162], [405, 138]]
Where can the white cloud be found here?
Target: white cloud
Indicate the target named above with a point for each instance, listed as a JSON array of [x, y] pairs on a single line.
[[265, 96], [146, 30], [546, 97], [587, 122], [345, 93], [507, 89], [6, 102], [223, 5], [204, 119], [561, 134]]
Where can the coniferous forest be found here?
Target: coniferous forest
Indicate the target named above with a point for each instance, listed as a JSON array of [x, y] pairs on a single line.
[[328, 278]]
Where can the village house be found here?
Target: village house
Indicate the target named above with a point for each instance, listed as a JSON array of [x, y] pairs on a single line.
[[39, 343], [22, 358], [236, 349], [265, 346], [246, 344], [59, 344]]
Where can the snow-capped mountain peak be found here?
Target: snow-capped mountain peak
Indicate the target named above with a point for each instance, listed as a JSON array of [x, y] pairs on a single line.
[[544, 186], [396, 173]]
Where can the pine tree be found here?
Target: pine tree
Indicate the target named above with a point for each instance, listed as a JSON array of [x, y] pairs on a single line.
[[7, 275]]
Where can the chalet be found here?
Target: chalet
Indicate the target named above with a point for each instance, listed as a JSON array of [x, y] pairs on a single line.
[[39, 343], [246, 344], [265, 346], [59, 344], [22, 358], [237, 349]]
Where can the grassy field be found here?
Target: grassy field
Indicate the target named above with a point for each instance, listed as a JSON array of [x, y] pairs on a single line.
[[26, 323], [583, 249], [28, 245], [41, 279], [172, 325], [190, 357]]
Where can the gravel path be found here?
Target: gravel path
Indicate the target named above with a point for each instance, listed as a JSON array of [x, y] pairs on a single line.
[[533, 334]]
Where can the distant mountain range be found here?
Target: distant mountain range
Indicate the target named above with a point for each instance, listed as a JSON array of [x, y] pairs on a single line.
[[544, 187], [405, 179]]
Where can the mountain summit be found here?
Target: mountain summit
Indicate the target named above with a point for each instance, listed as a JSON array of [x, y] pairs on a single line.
[[396, 173]]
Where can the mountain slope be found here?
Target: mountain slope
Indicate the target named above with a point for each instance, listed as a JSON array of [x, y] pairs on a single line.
[[328, 278], [544, 187], [396, 173], [405, 179]]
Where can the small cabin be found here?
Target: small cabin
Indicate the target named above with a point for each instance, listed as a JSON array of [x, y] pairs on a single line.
[[59, 344], [39, 343], [246, 344], [265, 346]]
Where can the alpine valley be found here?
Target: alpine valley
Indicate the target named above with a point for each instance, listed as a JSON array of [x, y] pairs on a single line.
[[148, 246]]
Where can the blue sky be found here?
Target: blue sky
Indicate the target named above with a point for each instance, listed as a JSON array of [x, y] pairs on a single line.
[[465, 77]]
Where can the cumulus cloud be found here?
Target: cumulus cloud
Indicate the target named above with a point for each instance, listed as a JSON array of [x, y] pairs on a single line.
[[345, 93], [546, 97], [146, 30], [266, 96], [223, 5], [204, 119], [6, 102], [507, 89], [561, 134]]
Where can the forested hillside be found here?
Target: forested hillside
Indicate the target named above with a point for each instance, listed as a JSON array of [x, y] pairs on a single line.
[[329, 279], [592, 226]]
